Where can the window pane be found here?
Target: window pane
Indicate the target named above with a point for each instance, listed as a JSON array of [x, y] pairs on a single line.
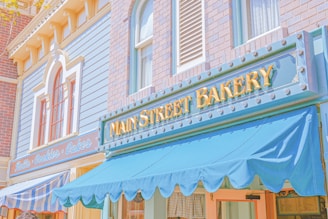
[[57, 108], [133, 209], [264, 16], [180, 206], [146, 21], [236, 210], [146, 66], [253, 17]]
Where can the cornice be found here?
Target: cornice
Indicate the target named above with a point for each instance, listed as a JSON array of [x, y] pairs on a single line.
[[34, 26]]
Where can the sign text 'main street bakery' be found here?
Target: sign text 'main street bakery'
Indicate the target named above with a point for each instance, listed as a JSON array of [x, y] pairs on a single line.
[[205, 97]]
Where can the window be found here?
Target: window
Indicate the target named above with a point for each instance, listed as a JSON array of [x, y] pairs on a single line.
[[143, 37], [57, 108], [43, 122], [190, 34], [252, 18], [81, 17], [56, 101], [71, 107], [133, 209], [236, 210], [189, 207]]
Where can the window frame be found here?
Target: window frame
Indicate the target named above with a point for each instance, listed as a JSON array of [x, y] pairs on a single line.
[[136, 47], [71, 71], [177, 67], [43, 122], [242, 28], [58, 104]]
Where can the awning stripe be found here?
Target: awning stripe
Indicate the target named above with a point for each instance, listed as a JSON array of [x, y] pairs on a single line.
[[279, 148], [34, 195]]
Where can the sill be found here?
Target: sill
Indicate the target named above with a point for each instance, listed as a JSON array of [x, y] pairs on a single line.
[[37, 148], [145, 90], [276, 34]]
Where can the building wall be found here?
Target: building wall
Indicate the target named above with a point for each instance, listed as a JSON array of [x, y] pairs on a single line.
[[8, 83], [93, 89], [294, 16]]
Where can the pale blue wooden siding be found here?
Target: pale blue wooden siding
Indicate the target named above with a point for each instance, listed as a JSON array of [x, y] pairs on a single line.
[[26, 111], [93, 45]]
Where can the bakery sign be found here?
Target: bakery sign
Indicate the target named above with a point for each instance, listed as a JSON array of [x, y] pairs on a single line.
[[269, 78], [204, 97]]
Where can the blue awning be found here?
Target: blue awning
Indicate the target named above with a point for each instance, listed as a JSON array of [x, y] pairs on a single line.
[[35, 194], [279, 148]]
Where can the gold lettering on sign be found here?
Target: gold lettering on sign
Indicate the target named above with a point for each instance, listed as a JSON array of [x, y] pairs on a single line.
[[241, 85], [150, 117], [230, 89]]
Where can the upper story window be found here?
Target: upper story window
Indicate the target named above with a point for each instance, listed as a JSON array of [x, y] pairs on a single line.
[[190, 40], [57, 108], [142, 48], [252, 18], [56, 101]]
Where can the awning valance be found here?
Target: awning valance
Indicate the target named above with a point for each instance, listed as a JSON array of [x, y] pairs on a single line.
[[34, 195], [279, 148]]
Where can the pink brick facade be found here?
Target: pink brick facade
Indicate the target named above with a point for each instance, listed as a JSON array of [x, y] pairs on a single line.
[[8, 71], [295, 15]]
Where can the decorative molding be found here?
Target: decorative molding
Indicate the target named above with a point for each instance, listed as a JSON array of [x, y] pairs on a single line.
[[8, 80], [3, 170], [35, 25]]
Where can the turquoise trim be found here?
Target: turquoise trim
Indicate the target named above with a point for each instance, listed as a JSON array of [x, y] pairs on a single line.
[[133, 53], [237, 23]]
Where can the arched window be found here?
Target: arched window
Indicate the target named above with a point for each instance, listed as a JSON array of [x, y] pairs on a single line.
[[57, 108], [143, 39], [57, 101]]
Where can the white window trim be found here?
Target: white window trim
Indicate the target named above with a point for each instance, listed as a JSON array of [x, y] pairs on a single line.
[[139, 45], [70, 70], [195, 62], [245, 25]]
